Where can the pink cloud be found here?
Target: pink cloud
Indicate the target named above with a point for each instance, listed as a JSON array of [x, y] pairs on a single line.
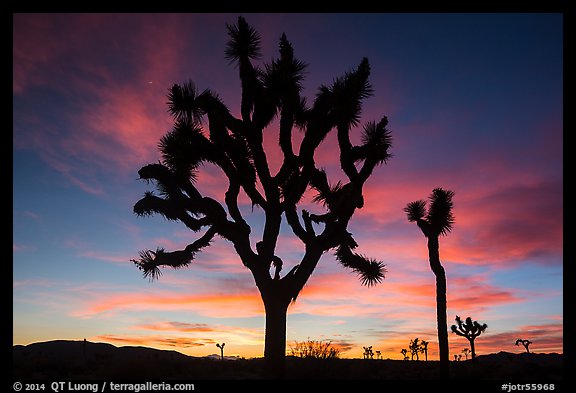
[[117, 123], [319, 296], [494, 225]]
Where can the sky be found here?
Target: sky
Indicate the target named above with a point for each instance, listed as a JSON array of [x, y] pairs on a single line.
[[474, 103]]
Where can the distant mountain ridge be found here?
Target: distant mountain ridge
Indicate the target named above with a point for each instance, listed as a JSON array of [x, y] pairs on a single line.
[[79, 359], [70, 348]]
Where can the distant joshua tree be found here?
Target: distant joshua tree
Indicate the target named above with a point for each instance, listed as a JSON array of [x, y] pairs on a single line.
[[455, 357], [418, 346], [206, 132], [466, 351], [424, 348], [368, 354], [378, 355], [438, 220], [221, 346], [469, 329], [414, 348], [404, 353], [526, 343], [84, 351]]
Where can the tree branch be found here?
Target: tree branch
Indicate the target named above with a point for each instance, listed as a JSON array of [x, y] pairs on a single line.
[[170, 209], [151, 261], [346, 160], [294, 223]]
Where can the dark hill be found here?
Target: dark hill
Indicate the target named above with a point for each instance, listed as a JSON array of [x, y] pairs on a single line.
[[78, 360]]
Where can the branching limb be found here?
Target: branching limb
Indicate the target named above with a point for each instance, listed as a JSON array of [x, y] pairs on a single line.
[[151, 261], [346, 160], [294, 223], [370, 271], [170, 209], [308, 222]]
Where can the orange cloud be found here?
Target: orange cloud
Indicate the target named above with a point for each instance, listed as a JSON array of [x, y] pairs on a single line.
[[197, 339], [184, 327], [177, 326], [219, 305], [155, 341]]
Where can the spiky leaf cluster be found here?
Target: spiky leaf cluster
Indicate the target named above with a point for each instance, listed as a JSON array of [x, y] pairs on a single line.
[[438, 219], [469, 329]]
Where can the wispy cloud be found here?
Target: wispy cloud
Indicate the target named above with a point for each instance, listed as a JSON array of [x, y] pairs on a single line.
[[31, 215], [123, 259], [185, 327], [33, 283], [155, 341], [20, 247]]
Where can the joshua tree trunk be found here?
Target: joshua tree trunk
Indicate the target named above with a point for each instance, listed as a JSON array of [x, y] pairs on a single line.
[[472, 349], [434, 256], [275, 336]]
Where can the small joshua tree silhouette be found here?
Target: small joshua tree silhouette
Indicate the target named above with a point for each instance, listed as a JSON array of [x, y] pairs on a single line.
[[414, 347], [86, 359], [466, 351], [221, 346], [469, 329], [368, 354], [404, 352], [424, 348], [526, 343], [378, 355]]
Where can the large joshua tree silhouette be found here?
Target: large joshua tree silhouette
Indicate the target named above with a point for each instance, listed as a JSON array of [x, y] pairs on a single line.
[[438, 220], [469, 329], [205, 131]]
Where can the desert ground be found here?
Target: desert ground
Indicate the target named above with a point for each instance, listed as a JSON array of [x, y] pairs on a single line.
[[76, 360]]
